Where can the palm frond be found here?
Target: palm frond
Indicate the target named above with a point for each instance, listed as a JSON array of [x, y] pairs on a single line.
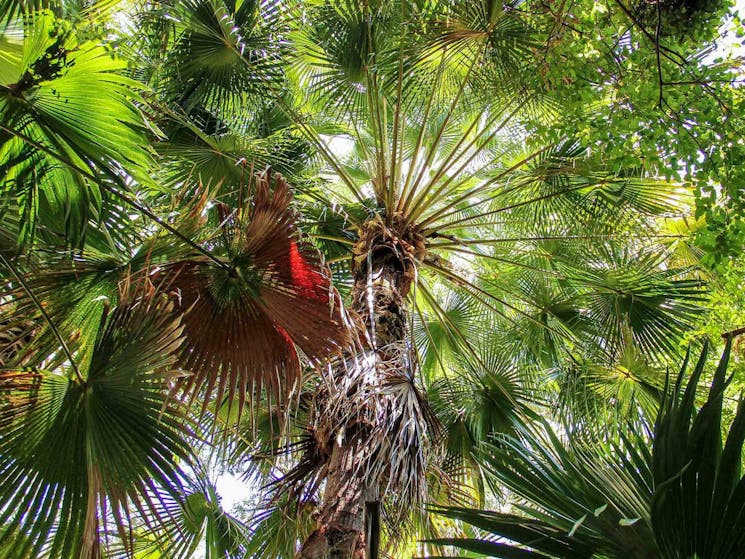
[[76, 449], [279, 528], [193, 521], [221, 54], [579, 501], [676, 495], [67, 115], [272, 291], [697, 505], [633, 290]]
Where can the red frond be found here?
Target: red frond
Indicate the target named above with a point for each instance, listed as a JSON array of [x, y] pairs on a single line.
[[297, 293], [244, 321]]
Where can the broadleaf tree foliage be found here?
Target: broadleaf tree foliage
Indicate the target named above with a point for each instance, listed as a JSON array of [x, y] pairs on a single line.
[[335, 247]]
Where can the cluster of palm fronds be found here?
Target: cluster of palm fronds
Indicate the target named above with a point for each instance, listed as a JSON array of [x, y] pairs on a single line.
[[672, 490], [162, 299], [102, 357]]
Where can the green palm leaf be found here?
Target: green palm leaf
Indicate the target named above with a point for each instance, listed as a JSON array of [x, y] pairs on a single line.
[[67, 115], [697, 507], [75, 449], [677, 495], [192, 520]]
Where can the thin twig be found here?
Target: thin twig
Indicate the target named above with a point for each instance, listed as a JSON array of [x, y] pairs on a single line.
[[657, 50], [666, 52]]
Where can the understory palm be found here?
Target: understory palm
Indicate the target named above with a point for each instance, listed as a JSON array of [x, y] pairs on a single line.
[[419, 277]]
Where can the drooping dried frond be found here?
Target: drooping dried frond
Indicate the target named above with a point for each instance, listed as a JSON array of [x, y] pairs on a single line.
[[373, 407], [298, 296], [232, 361], [244, 320]]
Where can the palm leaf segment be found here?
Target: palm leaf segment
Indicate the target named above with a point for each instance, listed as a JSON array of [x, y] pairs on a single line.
[[698, 507], [192, 520]]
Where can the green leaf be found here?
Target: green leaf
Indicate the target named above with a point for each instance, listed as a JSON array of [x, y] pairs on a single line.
[[73, 448], [577, 525]]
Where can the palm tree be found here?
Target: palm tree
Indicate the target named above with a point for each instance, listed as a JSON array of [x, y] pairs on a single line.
[[144, 254]]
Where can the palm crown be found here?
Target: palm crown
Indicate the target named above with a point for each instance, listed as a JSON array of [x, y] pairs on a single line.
[[159, 283]]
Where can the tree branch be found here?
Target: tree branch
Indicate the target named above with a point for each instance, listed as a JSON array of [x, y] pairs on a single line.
[[733, 333], [666, 52], [657, 51]]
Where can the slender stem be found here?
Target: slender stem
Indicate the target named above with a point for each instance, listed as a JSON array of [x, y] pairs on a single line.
[[480, 293], [46, 316], [505, 261], [443, 316], [667, 52], [379, 134], [457, 223], [339, 259], [332, 238], [396, 153], [435, 143], [443, 212], [453, 242], [432, 345], [403, 199], [657, 51], [372, 521], [447, 164], [733, 333], [419, 207], [377, 101]]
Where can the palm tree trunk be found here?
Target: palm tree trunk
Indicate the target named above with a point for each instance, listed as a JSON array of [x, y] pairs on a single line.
[[356, 473], [340, 532]]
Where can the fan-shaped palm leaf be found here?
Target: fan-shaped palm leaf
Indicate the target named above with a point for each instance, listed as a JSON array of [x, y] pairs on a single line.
[[195, 519], [272, 292], [67, 115], [676, 495], [78, 448]]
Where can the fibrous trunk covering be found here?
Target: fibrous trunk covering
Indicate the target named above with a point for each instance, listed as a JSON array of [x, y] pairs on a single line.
[[370, 422]]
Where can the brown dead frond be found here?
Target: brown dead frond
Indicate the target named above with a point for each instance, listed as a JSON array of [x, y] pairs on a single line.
[[374, 408], [245, 320]]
